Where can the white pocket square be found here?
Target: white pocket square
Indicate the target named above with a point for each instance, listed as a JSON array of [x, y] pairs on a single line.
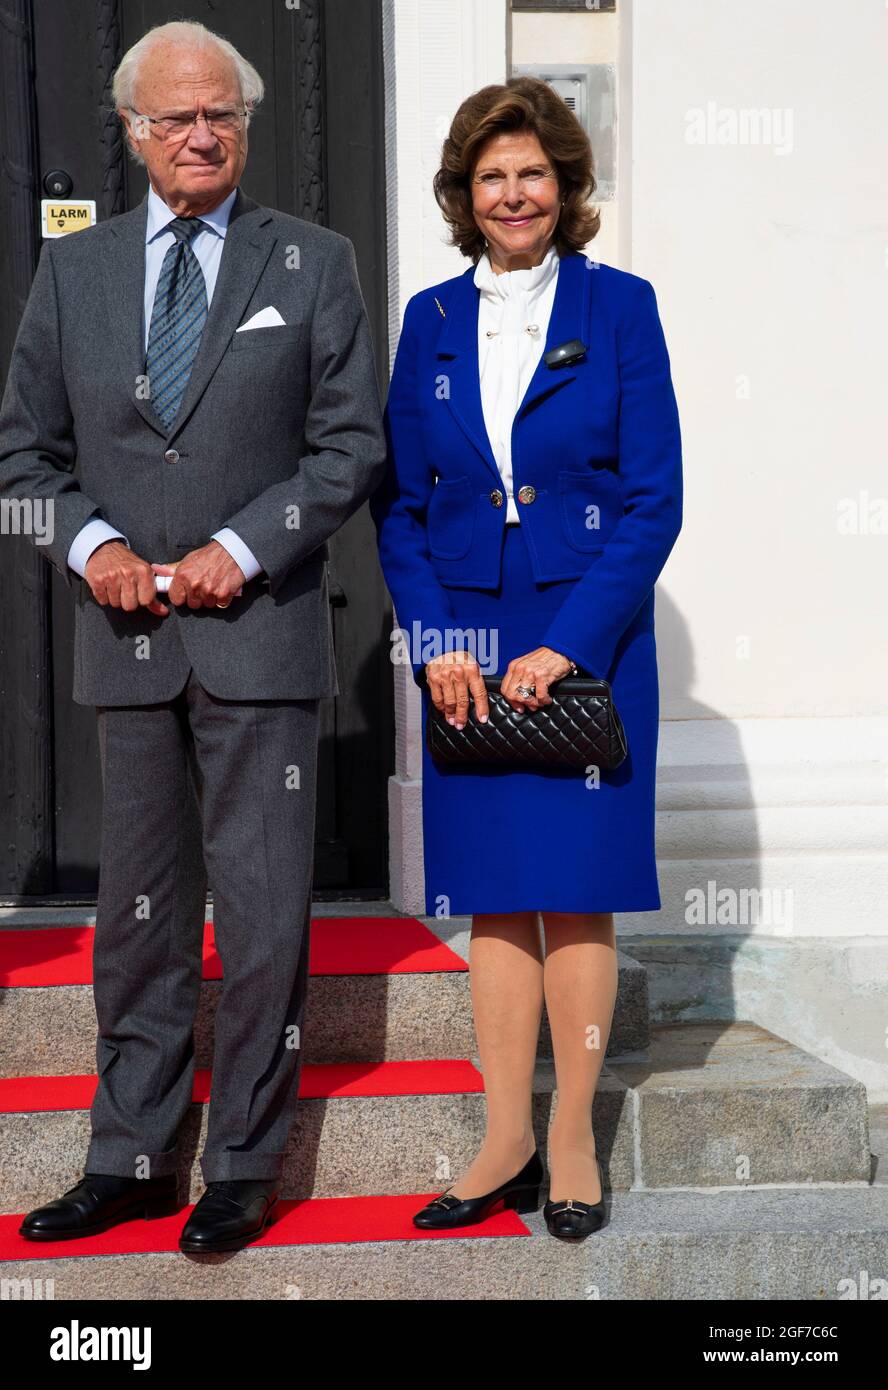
[[266, 318]]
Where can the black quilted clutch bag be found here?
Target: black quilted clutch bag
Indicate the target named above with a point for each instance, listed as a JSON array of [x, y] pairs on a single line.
[[580, 728]]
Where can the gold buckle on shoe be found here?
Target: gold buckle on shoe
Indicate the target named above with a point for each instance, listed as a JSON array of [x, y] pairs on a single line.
[[442, 1200]]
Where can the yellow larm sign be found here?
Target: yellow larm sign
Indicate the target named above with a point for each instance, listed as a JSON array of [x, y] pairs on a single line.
[[61, 218]]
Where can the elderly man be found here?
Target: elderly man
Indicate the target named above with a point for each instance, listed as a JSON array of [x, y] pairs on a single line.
[[193, 389]]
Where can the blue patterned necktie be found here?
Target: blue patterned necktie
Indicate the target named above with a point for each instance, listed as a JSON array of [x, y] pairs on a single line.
[[177, 321]]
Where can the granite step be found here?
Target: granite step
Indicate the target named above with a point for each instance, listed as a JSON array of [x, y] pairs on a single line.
[[765, 1245], [726, 1106], [405, 995]]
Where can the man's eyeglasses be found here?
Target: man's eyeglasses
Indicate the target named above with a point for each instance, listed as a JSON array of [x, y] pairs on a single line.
[[224, 121]]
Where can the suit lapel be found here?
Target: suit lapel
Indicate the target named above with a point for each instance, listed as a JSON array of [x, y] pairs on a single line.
[[124, 275], [248, 242], [568, 320], [459, 342]]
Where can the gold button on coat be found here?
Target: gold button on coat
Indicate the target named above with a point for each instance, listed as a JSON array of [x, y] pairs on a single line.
[[526, 493], [496, 498]]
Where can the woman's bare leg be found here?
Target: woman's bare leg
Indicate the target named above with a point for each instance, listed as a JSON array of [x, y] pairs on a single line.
[[506, 973], [580, 981]]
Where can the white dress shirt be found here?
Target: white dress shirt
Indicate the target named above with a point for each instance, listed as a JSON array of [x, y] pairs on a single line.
[[207, 247], [513, 319]]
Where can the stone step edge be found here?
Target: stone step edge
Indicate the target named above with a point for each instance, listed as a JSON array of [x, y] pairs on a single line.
[[674, 1226]]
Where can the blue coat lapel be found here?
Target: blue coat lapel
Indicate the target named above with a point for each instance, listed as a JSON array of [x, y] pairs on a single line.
[[458, 343]]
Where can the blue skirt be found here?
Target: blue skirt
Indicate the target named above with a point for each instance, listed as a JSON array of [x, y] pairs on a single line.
[[508, 840]]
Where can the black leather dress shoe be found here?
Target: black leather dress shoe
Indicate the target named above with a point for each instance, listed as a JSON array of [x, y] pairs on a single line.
[[521, 1193], [229, 1215], [573, 1220], [98, 1201]]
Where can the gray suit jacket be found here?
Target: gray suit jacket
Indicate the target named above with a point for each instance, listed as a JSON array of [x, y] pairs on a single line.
[[279, 436]]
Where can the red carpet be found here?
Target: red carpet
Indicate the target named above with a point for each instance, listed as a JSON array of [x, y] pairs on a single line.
[[35, 1094], [339, 946], [321, 1221]]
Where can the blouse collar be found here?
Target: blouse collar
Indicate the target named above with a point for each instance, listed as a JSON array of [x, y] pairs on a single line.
[[531, 282]]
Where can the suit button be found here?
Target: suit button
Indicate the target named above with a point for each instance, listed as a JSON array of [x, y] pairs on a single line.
[[496, 498], [526, 494], [171, 456]]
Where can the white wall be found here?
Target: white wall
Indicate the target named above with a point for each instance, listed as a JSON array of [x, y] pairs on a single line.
[[769, 252], [772, 274]]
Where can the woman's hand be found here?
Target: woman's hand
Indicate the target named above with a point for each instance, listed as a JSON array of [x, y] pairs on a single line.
[[538, 670], [452, 677]]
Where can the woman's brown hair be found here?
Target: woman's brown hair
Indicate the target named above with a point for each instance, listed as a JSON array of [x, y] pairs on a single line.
[[522, 104]]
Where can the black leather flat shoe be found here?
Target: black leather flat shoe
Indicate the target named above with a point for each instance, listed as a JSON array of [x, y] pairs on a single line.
[[573, 1220], [521, 1193], [98, 1201], [229, 1215]]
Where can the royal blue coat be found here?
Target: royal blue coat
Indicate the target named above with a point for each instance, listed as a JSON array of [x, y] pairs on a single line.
[[597, 443], [596, 455]]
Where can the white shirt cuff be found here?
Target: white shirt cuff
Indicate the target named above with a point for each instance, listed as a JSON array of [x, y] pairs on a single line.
[[88, 539], [240, 553]]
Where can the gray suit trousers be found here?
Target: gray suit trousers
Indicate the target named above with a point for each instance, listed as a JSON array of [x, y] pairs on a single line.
[[194, 788]]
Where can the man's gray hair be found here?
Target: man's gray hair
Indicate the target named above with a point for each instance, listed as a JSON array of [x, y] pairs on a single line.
[[186, 33]]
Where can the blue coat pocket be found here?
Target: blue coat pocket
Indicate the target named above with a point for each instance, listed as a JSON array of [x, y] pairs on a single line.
[[591, 505], [450, 519]]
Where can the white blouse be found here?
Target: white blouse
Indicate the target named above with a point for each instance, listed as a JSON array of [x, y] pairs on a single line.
[[513, 320]]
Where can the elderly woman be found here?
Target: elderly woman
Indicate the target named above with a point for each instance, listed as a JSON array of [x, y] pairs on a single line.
[[532, 506]]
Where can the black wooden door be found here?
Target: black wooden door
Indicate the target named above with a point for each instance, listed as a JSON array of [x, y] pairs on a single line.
[[316, 150]]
